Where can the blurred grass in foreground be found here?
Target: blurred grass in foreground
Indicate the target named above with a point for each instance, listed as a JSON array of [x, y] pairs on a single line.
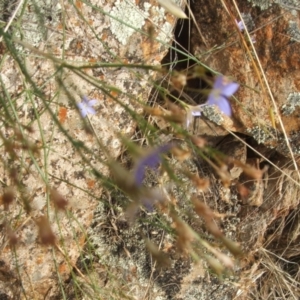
[[60, 156]]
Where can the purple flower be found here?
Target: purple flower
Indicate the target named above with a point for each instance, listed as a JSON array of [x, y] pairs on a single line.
[[240, 25], [86, 106], [151, 160], [222, 90]]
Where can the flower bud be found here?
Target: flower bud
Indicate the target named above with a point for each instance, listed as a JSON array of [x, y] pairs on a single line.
[[59, 201], [215, 265], [12, 237], [181, 154], [159, 256], [45, 232], [198, 141], [202, 184], [233, 247], [179, 80], [8, 197]]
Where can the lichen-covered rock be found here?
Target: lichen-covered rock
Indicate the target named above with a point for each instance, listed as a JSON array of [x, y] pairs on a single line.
[[275, 31], [61, 52]]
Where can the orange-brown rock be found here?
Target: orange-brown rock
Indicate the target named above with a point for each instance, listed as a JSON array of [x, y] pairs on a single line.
[[269, 70]]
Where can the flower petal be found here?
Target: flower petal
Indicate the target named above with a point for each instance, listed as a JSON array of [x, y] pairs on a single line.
[[151, 160], [90, 110], [85, 100], [229, 89], [92, 102], [219, 83], [240, 25], [212, 99], [82, 107], [224, 106], [221, 102]]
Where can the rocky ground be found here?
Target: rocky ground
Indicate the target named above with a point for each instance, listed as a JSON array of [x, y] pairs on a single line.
[[98, 251]]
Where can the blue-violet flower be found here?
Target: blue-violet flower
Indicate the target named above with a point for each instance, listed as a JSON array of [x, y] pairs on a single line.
[[151, 160], [222, 90], [240, 25], [86, 106]]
